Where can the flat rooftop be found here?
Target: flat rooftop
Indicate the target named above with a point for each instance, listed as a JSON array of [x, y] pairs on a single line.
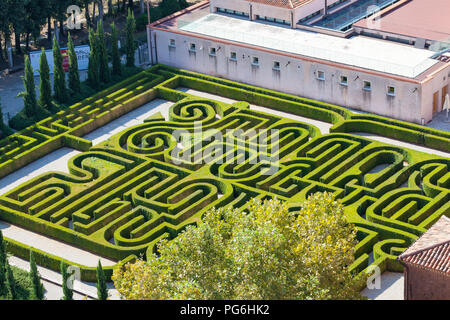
[[427, 19], [362, 52]]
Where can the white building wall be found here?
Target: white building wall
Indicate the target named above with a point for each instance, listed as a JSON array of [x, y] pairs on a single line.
[[296, 76]]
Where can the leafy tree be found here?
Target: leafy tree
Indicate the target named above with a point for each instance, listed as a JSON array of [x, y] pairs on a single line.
[[17, 17], [116, 65], [130, 45], [3, 262], [38, 287], [102, 291], [74, 76], [29, 94], [105, 75], [263, 254], [59, 76], [67, 292], [93, 68], [10, 282], [45, 98]]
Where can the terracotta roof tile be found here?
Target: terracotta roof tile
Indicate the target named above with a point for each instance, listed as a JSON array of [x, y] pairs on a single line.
[[290, 4], [432, 249]]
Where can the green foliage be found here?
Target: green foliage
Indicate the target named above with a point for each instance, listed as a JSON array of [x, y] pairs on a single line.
[[102, 291], [93, 68], [116, 64], [59, 76], [309, 162], [29, 95], [130, 44], [38, 287], [67, 291], [3, 261], [104, 71], [10, 283], [45, 98], [259, 255], [74, 76]]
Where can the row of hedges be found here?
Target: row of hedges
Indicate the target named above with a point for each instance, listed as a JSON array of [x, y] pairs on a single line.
[[343, 119]]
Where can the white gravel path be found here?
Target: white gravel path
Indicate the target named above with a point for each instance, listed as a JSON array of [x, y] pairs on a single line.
[[130, 119], [52, 246], [324, 127], [55, 161], [392, 284], [52, 281]]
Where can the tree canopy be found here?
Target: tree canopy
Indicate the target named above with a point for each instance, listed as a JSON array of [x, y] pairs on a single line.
[[270, 252]]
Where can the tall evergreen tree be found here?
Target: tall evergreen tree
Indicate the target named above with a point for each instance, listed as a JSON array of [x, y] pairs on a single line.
[[74, 76], [45, 98], [38, 287], [105, 75], [3, 261], [59, 76], [102, 291], [10, 282], [93, 68], [29, 94], [67, 292], [116, 65], [130, 46]]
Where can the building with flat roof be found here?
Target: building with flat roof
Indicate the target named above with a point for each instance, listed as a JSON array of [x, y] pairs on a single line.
[[260, 42], [417, 22]]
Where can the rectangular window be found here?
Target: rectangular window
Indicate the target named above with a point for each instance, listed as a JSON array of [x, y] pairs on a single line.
[[255, 61], [192, 47], [172, 43], [344, 81], [367, 86], [320, 75], [212, 51], [391, 91], [233, 56], [276, 65]]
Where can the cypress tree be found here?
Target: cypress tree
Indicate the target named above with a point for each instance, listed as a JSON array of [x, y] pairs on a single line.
[[45, 98], [130, 46], [105, 75], [59, 80], [102, 291], [67, 292], [38, 287], [74, 76], [10, 282], [93, 69], [3, 261], [116, 65], [29, 95]]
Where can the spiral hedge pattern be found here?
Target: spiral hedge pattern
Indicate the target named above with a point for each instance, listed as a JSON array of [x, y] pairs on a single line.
[[123, 195]]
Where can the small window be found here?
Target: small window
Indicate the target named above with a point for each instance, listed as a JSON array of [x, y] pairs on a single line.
[[391, 91], [276, 65], [233, 56], [212, 51], [320, 75], [192, 47], [367, 86], [255, 61], [344, 81], [172, 43]]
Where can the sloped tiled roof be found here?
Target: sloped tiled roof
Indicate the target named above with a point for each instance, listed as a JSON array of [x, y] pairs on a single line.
[[432, 250], [290, 4]]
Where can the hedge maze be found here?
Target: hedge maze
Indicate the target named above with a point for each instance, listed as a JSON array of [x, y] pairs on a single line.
[[122, 195]]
